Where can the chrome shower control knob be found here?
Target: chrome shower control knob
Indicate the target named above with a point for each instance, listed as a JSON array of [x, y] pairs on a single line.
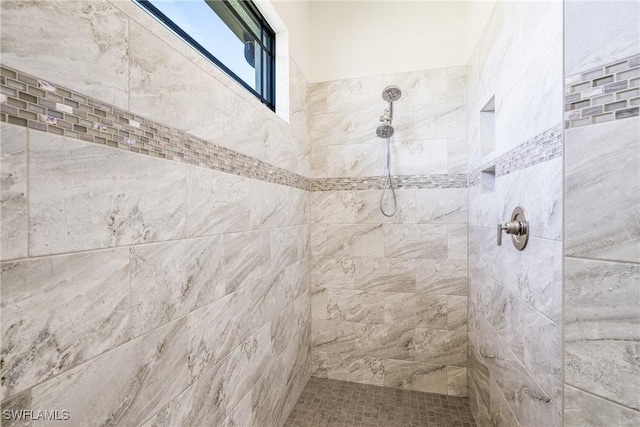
[[518, 227]]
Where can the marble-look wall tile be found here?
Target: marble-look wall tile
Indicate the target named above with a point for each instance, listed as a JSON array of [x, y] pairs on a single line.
[[247, 258], [216, 203], [286, 247], [356, 306], [440, 121], [276, 205], [602, 313], [529, 403], [245, 129], [386, 342], [442, 206], [385, 274], [478, 381], [354, 160], [343, 367], [59, 312], [367, 203], [162, 291], [415, 241], [538, 190], [347, 240], [13, 197], [143, 375], [457, 241], [435, 86], [599, 158], [217, 328], [333, 207], [333, 272], [331, 129], [93, 60], [293, 319], [159, 89], [418, 157], [18, 402], [439, 346], [457, 313], [457, 155], [500, 411], [448, 277], [84, 196], [456, 381], [425, 377], [614, 33], [533, 274], [221, 388], [354, 94], [582, 409]]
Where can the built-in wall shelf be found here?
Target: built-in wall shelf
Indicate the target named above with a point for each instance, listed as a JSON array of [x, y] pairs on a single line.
[[488, 179], [488, 127]]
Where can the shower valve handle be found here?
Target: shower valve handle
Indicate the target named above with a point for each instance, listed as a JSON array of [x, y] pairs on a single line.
[[511, 227], [518, 227]]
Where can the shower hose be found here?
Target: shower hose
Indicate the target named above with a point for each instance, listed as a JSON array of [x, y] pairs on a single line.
[[388, 183]]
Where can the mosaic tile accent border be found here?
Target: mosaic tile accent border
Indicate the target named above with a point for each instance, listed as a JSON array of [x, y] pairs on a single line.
[[606, 93], [541, 148], [44, 106], [399, 182]]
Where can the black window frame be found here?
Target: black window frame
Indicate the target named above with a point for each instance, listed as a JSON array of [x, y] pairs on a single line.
[[267, 76]]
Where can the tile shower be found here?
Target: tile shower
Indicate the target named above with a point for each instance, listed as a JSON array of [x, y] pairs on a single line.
[[175, 254]]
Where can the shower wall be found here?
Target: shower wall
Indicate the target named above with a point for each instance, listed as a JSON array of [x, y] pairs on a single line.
[[389, 295], [515, 149], [149, 275], [602, 214]]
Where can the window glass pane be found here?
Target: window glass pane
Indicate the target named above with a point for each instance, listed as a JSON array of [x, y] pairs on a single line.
[[199, 21]]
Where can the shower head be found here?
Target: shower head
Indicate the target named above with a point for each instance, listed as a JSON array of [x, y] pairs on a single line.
[[391, 93], [385, 130]]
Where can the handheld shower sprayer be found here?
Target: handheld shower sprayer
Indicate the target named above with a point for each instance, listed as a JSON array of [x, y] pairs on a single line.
[[385, 130]]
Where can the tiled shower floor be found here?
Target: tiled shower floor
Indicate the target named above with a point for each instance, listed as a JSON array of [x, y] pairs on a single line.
[[333, 403]]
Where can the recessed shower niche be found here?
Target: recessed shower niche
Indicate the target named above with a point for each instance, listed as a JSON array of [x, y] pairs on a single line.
[[488, 127]]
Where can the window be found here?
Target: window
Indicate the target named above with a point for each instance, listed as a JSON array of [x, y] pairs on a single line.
[[231, 33]]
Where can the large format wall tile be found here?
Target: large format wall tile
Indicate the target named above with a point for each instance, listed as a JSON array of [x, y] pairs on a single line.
[[415, 241], [94, 57], [442, 206], [582, 409], [430, 378], [13, 197], [602, 191], [84, 196], [164, 85], [436, 86], [143, 375], [440, 121], [385, 274], [602, 313], [162, 291], [368, 206], [59, 312], [538, 190], [448, 277], [216, 203], [598, 34], [417, 157]]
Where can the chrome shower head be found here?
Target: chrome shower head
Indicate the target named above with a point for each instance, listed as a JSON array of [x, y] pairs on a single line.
[[391, 93], [385, 130]]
